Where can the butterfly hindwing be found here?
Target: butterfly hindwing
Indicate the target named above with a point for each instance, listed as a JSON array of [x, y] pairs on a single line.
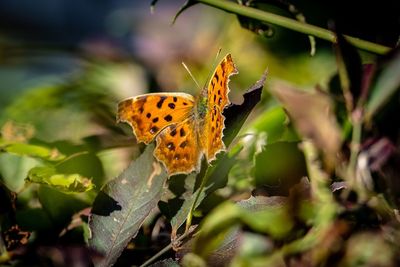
[[178, 148], [150, 113]]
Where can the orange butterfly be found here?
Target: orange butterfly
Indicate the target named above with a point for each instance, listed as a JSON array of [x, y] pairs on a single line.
[[184, 127]]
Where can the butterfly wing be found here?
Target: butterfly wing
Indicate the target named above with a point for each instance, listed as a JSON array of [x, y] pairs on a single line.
[[178, 148], [217, 93], [218, 89], [149, 114]]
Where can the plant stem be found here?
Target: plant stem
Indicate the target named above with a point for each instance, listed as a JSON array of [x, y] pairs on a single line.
[[165, 249], [193, 207], [293, 25]]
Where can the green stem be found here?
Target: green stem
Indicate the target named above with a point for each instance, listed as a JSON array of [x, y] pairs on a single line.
[[293, 25], [357, 119], [193, 207], [164, 250]]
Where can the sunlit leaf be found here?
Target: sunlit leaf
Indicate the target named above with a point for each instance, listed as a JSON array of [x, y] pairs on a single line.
[[123, 204], [275, 123], [68, 183], [23, 149]]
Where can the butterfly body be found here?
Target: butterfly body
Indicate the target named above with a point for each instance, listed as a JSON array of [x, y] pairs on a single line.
[[184, 127]]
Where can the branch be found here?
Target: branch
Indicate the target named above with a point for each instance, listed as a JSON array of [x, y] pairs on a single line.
[[293, 25]]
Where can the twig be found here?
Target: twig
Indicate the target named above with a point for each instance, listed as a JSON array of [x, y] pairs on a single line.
[[293, 25]]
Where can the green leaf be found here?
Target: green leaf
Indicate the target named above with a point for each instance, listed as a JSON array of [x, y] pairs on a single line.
[[58, 207], [267, 215], [123, 204], [37, 151], [14, 169], [275, 122], [264, 214], [386, 84], [316, 122], [277, 176], [217, 178], [68, 183]]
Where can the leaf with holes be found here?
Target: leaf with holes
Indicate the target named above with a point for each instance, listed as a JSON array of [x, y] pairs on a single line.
[[123, 204]]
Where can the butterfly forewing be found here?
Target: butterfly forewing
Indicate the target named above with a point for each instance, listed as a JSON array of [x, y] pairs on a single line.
[[215, 127], [218, 90], [217, 93], [149, 114]]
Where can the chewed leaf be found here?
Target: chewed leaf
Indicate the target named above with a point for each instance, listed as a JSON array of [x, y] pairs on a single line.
[[22, 149], [68, 183], [236, 114], [121, 207]]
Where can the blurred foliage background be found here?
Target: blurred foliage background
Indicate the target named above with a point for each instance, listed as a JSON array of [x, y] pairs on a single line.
[[64, 66]]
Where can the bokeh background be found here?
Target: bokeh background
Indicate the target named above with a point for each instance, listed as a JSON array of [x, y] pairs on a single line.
[[64, 66]]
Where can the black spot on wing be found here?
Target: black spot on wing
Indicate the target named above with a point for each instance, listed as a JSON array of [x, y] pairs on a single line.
[[168, 118], [173, 132], [182, 132], [153, 129], [171, 146], [183, 144], [171, 105], [155, 119], [161, 101], [212, 83]]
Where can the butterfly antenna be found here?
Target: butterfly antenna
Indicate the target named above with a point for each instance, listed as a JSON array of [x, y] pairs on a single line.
[[213, 68], [191, 75]]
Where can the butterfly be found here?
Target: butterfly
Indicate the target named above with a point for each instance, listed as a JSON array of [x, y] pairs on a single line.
[[185, 128]]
